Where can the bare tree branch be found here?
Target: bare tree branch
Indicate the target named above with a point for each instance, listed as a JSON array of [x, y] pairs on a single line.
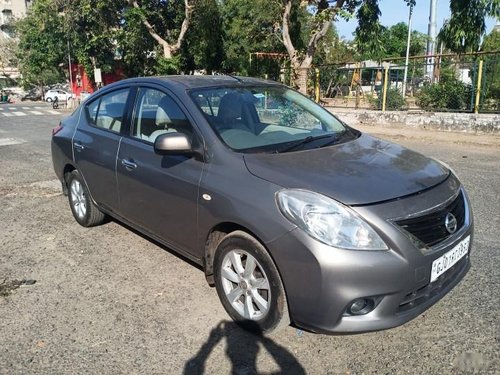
[[185, 25], [168, 49]]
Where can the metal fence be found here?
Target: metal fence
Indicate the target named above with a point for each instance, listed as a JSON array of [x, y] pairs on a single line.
[[450, 83], [467, 83]]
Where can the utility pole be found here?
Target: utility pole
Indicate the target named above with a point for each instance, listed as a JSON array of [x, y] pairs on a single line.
[[70, 72], [408, 40], [431, 41]]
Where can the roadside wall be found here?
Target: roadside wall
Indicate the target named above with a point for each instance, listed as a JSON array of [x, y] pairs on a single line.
[[456, 122]]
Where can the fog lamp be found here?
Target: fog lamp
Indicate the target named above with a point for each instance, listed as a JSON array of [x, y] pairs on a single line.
[[360, 306]]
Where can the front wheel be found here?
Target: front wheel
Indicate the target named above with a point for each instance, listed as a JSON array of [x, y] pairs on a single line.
[[84, 210], [249, 285]]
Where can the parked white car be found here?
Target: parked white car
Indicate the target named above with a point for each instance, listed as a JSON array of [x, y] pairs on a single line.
[[61, 95]]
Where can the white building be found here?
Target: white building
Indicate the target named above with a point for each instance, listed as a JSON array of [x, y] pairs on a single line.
[[12, 9]]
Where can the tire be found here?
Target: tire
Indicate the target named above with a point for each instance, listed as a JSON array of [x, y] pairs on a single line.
[[48, 100], [252, 293], [84, 210]]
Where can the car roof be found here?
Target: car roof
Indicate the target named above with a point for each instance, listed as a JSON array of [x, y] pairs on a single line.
[[199, 81]]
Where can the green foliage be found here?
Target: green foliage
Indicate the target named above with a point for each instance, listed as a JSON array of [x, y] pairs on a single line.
[[394, 43], [203, 47], [394, 100], [200, 49], [491, 76], [42, 44], [463, 31], [491, 42], [137, 49], [165, 16], [395, 40], [449, 93], [166, 66], [249, 26], [369, 30], [92, 26]]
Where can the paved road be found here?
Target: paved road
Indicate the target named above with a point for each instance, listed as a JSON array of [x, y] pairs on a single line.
[[107, 300]]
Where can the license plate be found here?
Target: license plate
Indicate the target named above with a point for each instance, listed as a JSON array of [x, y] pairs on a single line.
[[446, 261]]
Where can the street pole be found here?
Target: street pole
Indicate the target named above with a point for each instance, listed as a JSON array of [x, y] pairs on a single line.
[[384, 95], [408, 40], [478, 88], [431, 39], [70, 72]]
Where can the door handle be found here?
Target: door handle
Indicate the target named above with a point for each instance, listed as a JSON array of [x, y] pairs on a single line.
[[78, 146], [129, 165]]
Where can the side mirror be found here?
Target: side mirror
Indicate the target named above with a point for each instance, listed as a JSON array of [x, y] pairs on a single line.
[[173, 144]]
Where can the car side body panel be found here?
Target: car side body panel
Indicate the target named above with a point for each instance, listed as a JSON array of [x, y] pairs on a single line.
[[160, 192]]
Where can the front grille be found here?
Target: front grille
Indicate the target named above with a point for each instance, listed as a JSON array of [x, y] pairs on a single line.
[[430, 228], [419, 296]]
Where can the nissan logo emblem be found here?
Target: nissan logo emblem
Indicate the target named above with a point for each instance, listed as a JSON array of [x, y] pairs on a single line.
[[450, 223]]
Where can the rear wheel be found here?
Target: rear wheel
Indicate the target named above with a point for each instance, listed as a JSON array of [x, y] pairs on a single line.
[[49, 99], [84, 210], [249, 285]]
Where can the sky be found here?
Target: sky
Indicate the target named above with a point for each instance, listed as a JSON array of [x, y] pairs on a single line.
[[394, 11]]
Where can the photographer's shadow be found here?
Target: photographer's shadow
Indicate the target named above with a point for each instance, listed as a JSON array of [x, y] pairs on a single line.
[[242, 348]]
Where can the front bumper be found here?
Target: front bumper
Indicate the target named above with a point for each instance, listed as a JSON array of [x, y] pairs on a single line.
[[321, 281]]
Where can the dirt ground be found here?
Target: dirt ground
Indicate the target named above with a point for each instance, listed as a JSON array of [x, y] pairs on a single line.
[[107, 300]]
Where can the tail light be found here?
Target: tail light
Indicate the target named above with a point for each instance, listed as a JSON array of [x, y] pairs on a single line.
[[57, 129]]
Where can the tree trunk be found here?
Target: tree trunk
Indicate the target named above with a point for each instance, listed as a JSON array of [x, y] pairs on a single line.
[[301, 79], [167, 50]]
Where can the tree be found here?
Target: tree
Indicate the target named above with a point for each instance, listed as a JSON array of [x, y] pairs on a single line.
[[463, 31], [203, 46], [42, 44], [163, 15], [8, 57], [323, 13], [491, 76], [395, 40], [369, 30], [249, 26], [92, 28], [449, 93]]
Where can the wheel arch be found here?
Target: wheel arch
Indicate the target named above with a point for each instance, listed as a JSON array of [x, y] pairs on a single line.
[[214, 238], [217, 235], [68, 168]]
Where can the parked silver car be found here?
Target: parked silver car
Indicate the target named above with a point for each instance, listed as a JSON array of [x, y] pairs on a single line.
[[294, 216]]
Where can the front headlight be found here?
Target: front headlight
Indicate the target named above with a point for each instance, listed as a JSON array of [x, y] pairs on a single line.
[[328, 221]]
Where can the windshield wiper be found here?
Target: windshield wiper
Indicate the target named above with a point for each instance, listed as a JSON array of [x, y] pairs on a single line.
[[304, 141], [338, 137]]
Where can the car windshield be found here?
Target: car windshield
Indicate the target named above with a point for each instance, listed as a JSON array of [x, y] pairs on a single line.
[[267, 118]]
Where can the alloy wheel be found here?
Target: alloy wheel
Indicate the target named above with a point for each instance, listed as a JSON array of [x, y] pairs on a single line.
[[246, 285], [78, 199]]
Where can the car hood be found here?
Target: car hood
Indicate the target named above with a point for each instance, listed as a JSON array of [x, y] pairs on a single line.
[[362, 171]]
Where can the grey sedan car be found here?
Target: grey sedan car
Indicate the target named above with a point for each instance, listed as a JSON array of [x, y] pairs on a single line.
[[294, 216]]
